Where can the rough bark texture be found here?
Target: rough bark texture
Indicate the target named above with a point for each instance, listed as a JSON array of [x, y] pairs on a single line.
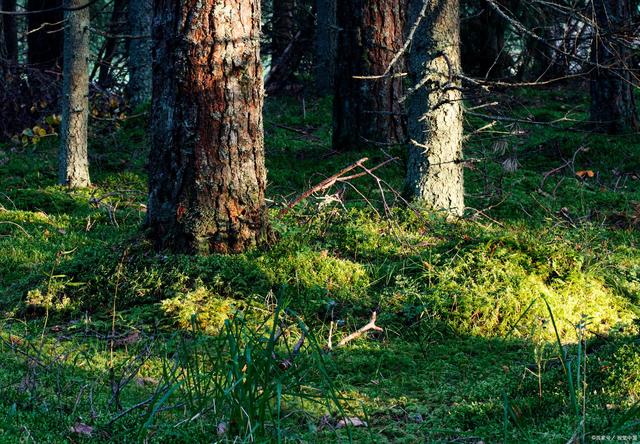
[[613, 107], [434, 170], [367, 112], [74, 163], [283, 26], [45, 38], [10, 31], [140, 52], [325, 46], [207, 176]]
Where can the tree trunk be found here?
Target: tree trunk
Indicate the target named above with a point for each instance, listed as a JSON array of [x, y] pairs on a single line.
[[116, 26], [74, 163], [613, 107], [45, 38], [140, 51], [283, 26], [207, 177], [367, 112], [10, 31], [325, 46], [434, 170]]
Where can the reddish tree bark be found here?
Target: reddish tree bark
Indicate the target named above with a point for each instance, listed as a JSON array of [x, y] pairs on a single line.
[[207, 176], [367, 112]]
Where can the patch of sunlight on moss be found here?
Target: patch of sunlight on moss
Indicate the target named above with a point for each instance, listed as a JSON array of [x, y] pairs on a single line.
[[202, 305]]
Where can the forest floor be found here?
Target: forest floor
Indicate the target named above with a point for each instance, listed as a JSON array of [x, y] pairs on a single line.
[[517, 323]]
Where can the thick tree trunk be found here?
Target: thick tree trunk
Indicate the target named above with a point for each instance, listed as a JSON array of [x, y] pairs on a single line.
[[116, 26], [325, 46], [283, 27], [613, 107], [367, 112], [434, 170], [10, 31], [45, 38], [140, 51], [207, 176], [74, 163]]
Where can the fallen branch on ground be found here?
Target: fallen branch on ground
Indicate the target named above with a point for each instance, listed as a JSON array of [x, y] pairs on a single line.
[[371, 325]]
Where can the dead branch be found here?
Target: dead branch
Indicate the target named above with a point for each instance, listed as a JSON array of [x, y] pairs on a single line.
[[328, 182], [356, 334]]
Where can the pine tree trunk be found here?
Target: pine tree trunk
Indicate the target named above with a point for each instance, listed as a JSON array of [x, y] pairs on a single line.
[[325, 46], [74, 163], [207, 177], [613, 106], [45, 38], [10, 31], [140, 51], [434, 169], [367, 112]]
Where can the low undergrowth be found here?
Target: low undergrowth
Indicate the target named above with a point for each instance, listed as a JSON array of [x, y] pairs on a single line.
[[497, 327]]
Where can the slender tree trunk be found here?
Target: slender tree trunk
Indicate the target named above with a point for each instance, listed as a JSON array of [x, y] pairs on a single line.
[[325, 46], [283, 26], [207, 177], [613, 107], [74, 163], [45, 38], [434, 170], [10, 31], [367, 112], [140, 51], [116, 26]]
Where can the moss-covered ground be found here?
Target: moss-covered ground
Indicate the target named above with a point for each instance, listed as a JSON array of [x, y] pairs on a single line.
[[517, 323]]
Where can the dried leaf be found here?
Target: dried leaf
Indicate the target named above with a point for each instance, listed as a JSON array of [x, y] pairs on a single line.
[[82, 429], [583, 174], [352, 421]]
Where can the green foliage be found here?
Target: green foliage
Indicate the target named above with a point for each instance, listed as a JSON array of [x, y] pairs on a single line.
[[468, 333]]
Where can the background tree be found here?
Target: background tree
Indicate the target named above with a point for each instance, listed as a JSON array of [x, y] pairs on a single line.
[[483, 38], [434, 169], [10, 31], [613, 106], [140, 17], [45, 36], [207, 177], [366, 112], [74, 162], [283, 26], [117, 25], [325, 45]]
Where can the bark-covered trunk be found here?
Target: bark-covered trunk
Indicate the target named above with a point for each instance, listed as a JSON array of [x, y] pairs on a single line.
[[10, 31], [74, 163], [116, 26], [207, 176], [613, 107], [367, 112], [325, 46], [45, 38], [140, 51], [283, 26], [434, 169]]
